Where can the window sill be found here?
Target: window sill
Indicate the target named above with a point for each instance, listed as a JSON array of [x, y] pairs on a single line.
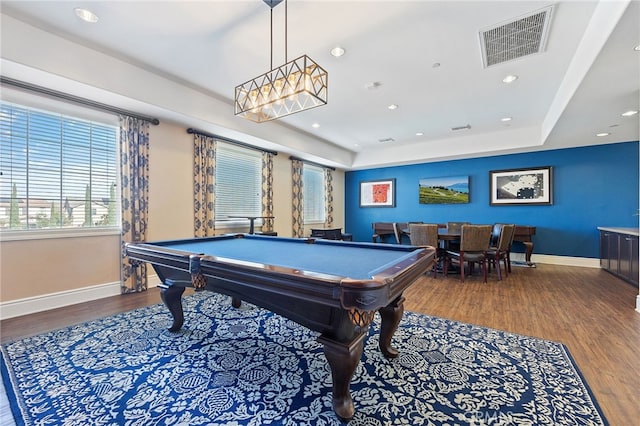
[[237, 224], [45, 234]]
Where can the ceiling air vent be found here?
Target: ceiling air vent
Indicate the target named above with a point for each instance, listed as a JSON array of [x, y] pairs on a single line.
[[517, 38], [466, 127]]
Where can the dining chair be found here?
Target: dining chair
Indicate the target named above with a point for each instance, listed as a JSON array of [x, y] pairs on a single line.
[[454, 228], [423, 235], [513, 235], [397, 230], [495, 234], [474, 244], [400, 229], [499, 251], [381, 230]]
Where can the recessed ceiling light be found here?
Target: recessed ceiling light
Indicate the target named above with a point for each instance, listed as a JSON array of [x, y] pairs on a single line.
[[393, 106], [510, 79], [86, 15], [505, 119], [436, 65], [629, 113], [602, 134], [637, 48], [337, 51], [419, 134], [315, 125]]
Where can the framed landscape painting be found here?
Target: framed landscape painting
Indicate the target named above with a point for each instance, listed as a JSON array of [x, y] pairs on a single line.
[[444, 190], [378, 193], [521, 186]]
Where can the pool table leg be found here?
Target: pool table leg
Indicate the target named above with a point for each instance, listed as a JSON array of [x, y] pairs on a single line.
[[391, 316], [343, 360], [172, 298]]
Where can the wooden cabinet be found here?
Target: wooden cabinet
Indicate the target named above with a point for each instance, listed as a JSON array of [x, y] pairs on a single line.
[[619, 253], [628, 261], [609, 250]]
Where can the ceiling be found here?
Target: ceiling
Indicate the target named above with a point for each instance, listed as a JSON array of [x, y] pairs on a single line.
[[423, 56]]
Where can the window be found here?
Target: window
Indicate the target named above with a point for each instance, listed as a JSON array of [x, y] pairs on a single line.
[[314, 201], [238, 182], [57, 171]]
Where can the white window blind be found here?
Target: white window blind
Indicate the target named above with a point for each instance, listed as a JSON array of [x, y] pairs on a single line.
[[56, 171], [238, 182], [314, 202]]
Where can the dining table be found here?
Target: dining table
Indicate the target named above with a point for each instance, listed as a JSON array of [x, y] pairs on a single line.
[[444, 234]]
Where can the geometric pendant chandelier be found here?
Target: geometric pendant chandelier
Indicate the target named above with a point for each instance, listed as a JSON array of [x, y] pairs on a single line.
[[296, 86]]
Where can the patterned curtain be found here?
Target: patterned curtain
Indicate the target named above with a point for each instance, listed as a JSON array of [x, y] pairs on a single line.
[[134, 163], [267, 190], [298, 199], [204, 183], [328, 197]]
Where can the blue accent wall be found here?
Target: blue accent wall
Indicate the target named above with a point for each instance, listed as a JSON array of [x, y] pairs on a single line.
[[592, 186]]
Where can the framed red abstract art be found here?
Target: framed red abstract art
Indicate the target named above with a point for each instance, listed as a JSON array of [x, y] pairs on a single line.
[[378, 193]]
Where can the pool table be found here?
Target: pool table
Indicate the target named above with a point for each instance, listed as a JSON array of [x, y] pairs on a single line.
[[332, 287]]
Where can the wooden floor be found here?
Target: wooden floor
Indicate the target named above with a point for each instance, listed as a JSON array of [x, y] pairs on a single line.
[[589, 310]]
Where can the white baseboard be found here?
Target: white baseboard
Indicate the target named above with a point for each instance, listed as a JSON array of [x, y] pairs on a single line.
[[45, 302], [585, 262], [29, 305]]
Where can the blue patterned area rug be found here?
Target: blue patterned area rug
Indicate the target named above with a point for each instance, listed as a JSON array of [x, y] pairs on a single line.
[[248, 366]]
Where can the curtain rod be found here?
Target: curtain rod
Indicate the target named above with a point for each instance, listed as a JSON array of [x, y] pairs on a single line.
[[312, 163], [193, 131], [75, 99]]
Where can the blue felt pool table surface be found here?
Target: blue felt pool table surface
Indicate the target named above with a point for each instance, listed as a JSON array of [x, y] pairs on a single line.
[[352, 260]]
